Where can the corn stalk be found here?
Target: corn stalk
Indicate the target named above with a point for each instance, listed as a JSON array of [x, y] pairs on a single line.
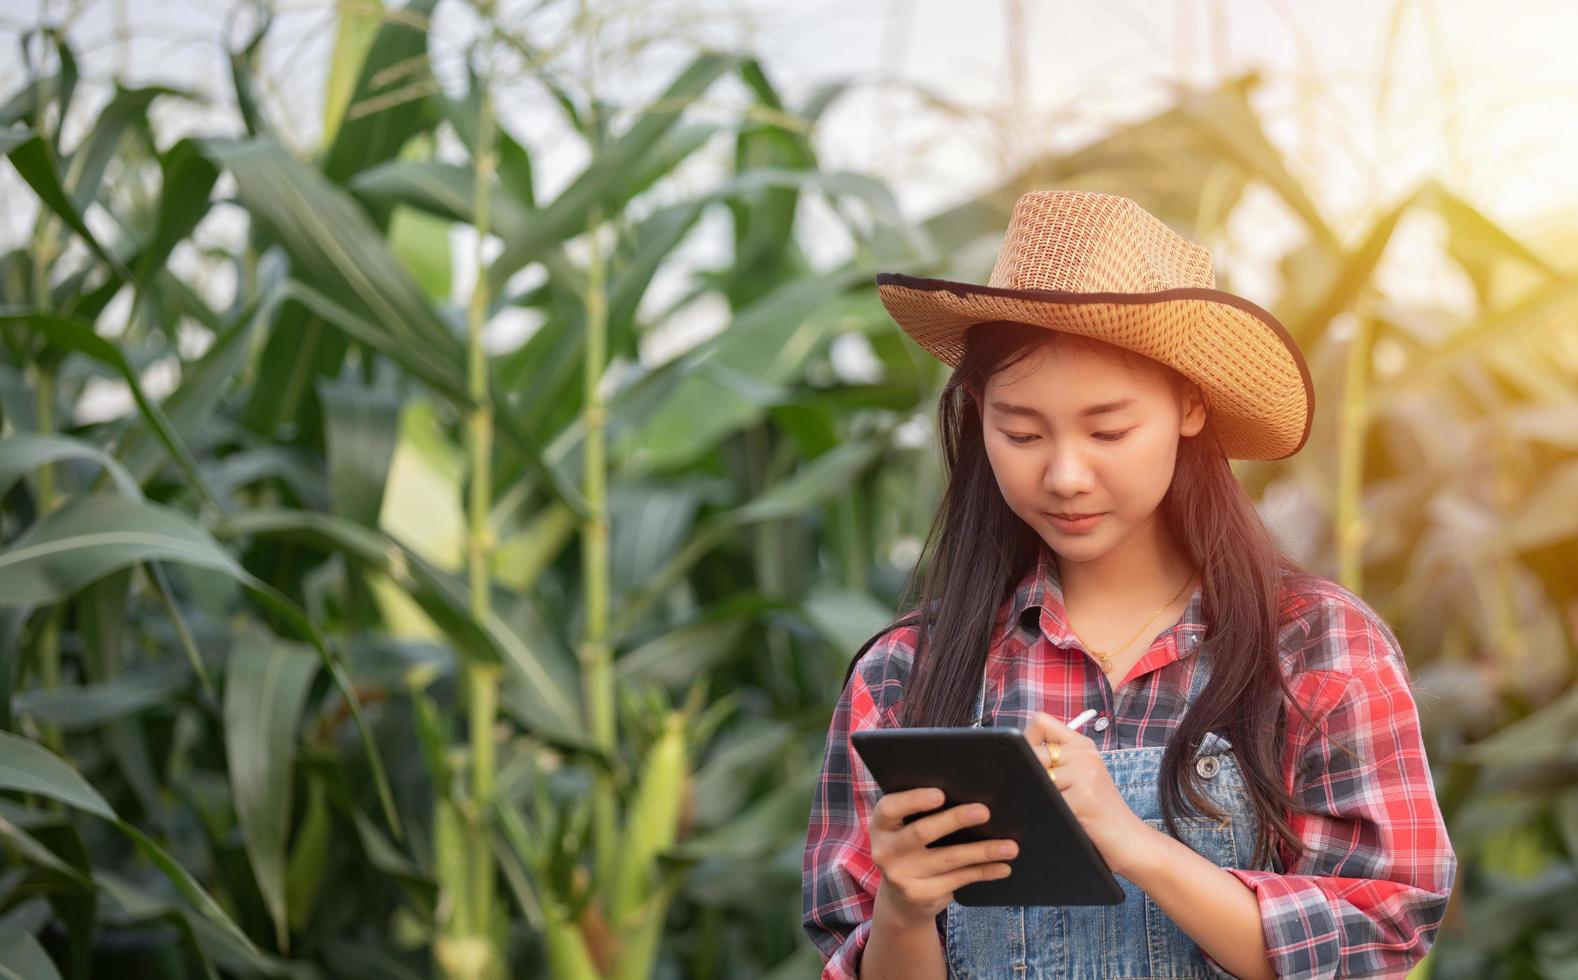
[[1352, 426], [471, 946], [596, 659]]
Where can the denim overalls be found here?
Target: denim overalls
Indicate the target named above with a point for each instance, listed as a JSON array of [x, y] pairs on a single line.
[[1134, 938]]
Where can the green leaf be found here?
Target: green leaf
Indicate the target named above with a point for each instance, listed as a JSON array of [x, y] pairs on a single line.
[[1546, 518], [358, 25], [1479, 244], [14, 136], [72, 334], [85, 171], [27, 767], [1352, 272], [845, 617], [649, 521], [203, 384], [266, 684], [243, 69], [309, 854], [185, 884], [1229, 128], [24, 452], [733, 378], [33, 159], [768, 823], [326, 312], [22, 958], [187, 179], [611, 178], [1545, 309], [441, 189], [421, 242], [817, 481], [723, 781], [361, 427], [337, 252], [90, 705], [34, 852], [679, 656], [335, 248], [94, 534], [555, 708], [389, 103]]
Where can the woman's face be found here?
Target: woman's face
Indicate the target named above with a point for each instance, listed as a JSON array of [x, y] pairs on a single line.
[[1076, 429]]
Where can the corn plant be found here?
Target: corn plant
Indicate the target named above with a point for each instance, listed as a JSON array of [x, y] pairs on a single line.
[[366, 650]]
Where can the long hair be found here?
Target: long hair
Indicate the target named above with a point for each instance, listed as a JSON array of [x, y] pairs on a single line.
[[977, 550]]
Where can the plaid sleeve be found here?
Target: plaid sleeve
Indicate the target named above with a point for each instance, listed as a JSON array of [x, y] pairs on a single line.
[[838, 877], [1369, 893]]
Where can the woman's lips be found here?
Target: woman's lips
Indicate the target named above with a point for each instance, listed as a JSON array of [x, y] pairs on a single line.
[[1078, 524]]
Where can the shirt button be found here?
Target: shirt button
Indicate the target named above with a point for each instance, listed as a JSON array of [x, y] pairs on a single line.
[[1207, 766], [1101, 724]]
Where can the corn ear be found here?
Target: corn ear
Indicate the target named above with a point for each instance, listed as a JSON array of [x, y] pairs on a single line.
[[568, 957], [643, 933], [651, 822], [449, 858]]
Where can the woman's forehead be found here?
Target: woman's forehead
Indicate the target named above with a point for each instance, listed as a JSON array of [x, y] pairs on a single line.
[[1066, 377]]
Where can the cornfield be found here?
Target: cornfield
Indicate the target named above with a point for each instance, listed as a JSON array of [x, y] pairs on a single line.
[[372, 648]]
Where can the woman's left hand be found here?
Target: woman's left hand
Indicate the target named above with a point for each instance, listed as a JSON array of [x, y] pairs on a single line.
[[1089, 791]]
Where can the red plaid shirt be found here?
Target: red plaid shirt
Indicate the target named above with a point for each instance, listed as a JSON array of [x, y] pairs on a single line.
[[1369, 893]]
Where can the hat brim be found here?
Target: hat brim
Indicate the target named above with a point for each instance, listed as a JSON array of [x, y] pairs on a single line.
[[1256, 382]]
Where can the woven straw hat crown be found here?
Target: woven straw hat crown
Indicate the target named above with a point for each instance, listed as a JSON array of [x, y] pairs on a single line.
[[1095, 243], [1102, 266]]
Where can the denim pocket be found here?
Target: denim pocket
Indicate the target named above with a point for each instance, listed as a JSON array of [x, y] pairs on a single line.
[[1171, 951]]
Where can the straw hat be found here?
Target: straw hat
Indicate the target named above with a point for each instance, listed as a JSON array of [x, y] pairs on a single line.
[[1102, 266]]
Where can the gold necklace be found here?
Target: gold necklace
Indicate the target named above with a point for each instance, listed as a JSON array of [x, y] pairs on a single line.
[[1106, 658]]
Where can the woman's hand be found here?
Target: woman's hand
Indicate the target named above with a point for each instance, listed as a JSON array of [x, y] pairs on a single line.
[[919, 881], [1089, 791]]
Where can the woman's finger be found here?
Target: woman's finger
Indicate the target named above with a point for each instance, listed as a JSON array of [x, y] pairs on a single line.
[[1044, 727], [1051, 730], [892, 808], [941, 860], [1039, 749], [930, 827]]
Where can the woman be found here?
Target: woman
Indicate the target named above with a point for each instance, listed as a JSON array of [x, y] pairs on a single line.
[[1254, 775]]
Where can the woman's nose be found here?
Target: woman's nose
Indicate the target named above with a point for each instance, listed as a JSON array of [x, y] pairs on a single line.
[[1067, 473]]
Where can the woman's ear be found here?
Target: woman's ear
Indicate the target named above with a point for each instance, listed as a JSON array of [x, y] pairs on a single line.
[[1192, 409]]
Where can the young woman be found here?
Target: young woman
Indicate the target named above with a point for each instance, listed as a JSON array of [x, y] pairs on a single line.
[[1255, 774]]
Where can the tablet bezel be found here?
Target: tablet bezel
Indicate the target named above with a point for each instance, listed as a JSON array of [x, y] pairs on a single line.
[[1057, 865]]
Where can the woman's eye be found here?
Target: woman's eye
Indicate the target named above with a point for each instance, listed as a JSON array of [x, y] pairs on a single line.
[[1103, 436]]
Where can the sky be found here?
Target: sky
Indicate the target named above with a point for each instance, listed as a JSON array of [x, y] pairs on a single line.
[[1481, 97]]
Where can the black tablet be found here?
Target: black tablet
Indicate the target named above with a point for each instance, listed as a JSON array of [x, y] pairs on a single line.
[[1056, 865]]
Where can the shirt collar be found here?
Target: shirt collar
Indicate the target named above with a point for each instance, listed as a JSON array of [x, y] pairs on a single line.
[[1040, 588]]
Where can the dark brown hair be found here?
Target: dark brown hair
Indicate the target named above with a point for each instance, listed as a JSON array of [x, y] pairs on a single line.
[[977, 550]]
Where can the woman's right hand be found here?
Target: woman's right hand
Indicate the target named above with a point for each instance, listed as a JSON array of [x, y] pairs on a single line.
[[919, 881]]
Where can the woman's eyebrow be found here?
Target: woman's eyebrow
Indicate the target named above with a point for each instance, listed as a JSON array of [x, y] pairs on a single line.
[[1008, 408]]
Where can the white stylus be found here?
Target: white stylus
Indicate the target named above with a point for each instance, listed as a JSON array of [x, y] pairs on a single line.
[[1081, 718]]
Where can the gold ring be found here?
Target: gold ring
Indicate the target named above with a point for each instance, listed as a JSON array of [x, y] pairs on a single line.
[[1057, 753], [1053, 774]]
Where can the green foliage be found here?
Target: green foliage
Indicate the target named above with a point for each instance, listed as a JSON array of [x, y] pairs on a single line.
[[254, 634]]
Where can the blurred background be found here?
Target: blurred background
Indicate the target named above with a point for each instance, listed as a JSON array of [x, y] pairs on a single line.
[[452, 450]]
